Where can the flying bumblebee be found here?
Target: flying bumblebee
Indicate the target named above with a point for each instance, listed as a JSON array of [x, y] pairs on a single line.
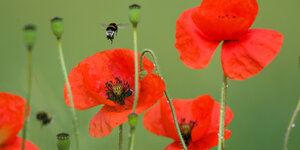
[[111, 29], [44, 117]]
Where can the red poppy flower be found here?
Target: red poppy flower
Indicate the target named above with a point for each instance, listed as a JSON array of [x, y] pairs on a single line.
[[198, 121], [12, 114], [245, 52], [108, 78]]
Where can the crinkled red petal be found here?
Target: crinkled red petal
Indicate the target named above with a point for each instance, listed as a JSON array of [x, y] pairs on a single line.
[[159, 119], [152, 88], [225, 19], [12, 114], [209, 141], [194, 49], [16, 144], [88, 78], [247, 56], [215, 121]]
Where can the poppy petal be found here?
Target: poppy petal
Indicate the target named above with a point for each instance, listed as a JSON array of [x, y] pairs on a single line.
[[197, 110], [12, 114], [88, 78], [152, 88], [247, 56], [215, 121], [174, 146], [209, 141], [225, 19], [17, 143], [195, 50]]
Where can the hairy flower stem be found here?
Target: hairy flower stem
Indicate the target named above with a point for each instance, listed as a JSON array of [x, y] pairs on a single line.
[[221, 142], [121, 137], [291, 124], [166, 91], [28, 95], [74, 116], [136, 82]]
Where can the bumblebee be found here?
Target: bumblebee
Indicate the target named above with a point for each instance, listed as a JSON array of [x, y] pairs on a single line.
[[111, 29], [44, 117]]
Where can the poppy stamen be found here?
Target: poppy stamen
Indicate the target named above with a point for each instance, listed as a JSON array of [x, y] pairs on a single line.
[[118, 91], [186, 130]]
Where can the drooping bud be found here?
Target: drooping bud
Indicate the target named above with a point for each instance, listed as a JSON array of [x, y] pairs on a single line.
[[143, 74], [63, 141], [57, 26], [30, 35], [132, 120], [134, 14]]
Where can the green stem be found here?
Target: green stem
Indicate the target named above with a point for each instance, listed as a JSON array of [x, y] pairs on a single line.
[[221, 142], [121, 137], [74, 116], [131, 138], [136, 66], [136, 88], [166, 91], [28, 95], [291, 124]]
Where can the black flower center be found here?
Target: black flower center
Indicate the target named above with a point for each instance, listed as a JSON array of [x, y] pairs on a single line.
[[118, 91], [186, 130]]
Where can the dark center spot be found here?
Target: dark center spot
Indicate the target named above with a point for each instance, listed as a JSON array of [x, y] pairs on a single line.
[[186, 130], [118, 91]]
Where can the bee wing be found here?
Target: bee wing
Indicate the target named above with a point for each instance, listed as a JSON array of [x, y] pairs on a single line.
[[103, 26], [121, 26]]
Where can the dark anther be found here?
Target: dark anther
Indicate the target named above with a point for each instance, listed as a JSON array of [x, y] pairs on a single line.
[[118, 91], [186, 130]]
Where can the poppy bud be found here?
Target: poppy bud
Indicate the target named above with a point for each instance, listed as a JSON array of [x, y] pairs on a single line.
[[63, 141], [30, 35], [143, 74], [132, 119], [57, 26], [134, 14]]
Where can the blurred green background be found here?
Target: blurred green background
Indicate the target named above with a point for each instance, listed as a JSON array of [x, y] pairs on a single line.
[[262, 105]]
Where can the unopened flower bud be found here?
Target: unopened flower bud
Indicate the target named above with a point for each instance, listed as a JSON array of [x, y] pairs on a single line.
[[132, 120], [57, 26], [30, 35], [63, 141], [134, 14]]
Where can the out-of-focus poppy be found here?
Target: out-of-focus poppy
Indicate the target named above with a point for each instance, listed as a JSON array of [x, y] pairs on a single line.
[[12, 114], [245, 52], [108, 78], [198, 121]]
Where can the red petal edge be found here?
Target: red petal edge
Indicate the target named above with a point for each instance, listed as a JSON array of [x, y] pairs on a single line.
[[12, 114], [152, 88], [247, 56], [195, 51], [17, 144]]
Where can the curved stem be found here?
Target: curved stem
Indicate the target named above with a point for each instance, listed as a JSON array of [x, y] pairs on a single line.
[[28, 95], [74, 116], [291, 124], [136, 82], [166, 92], [121, 137], [221, 142]]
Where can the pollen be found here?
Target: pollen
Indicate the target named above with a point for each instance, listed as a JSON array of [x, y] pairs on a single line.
[[186, 130], [118, 91]]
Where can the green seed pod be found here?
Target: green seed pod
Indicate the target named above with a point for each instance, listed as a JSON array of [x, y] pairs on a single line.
[[134, 14], [63, 141], [143, 74], [132, 120], [30, 35], [57, 26]]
